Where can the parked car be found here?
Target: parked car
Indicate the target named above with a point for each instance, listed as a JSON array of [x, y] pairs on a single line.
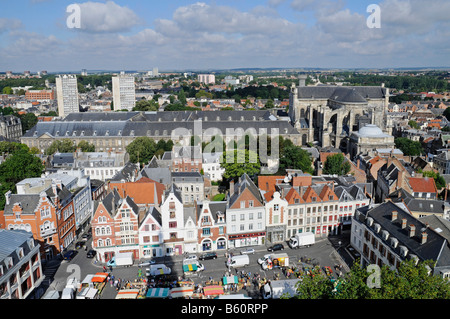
[[147, 263], [79, 244], [276, 247], [263, 259], [247, 251], [85, 237], [206, 256], [69, 255], [190, 258], [91, 253]]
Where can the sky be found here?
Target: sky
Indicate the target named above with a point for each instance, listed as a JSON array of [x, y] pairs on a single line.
[[60, 35]]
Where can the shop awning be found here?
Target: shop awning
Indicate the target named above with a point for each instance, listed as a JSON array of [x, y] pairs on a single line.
[[213, 290], [230, 280], [127, 294], [181, 292], [99, 277], [158, 293], [190, 267]]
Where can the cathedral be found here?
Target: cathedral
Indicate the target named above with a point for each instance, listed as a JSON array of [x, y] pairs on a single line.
[[327, 115]]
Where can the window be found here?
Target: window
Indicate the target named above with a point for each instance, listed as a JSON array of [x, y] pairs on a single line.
[[250, 203], [276, 207], [243, 204], [173, 225]]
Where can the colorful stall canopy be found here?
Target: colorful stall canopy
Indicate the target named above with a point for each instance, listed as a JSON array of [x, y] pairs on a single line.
[[213, 290], [99, 277], [158, 293], [127, 294], [189, 267], [181, 292], [230, 280]]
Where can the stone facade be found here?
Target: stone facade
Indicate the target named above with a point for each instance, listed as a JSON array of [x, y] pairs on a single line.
[[329, 114]]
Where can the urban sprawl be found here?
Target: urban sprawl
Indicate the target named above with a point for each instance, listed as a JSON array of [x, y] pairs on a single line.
[[229, 184]]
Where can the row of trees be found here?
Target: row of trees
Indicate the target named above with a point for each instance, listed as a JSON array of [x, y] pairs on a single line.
[[69, 146], [409, 281]]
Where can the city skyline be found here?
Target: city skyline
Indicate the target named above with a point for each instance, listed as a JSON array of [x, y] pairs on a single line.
[[138, 35]]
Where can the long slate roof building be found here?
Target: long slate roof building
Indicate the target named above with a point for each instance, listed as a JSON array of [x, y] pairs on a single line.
[[115, 130], [391, 235]]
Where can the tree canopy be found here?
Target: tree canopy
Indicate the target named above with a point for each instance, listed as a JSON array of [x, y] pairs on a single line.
[[408, 147], [143, 148], [20, 164], [239, 161], [336, 165], [408, 281]]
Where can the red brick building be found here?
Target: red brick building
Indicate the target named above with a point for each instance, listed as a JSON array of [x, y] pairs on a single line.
[[49, 216]]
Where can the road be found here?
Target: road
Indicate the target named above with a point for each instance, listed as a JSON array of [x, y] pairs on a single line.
[[325, 252]]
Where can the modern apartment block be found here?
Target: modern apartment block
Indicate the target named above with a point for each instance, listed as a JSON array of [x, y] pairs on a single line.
[[124, 95], [207, 78], [67, 95]]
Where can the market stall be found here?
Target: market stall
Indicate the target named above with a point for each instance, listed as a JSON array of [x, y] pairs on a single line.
[[127, 294], [158, 292], [230, 280], [213, 290], [99, 280], [182, 292]]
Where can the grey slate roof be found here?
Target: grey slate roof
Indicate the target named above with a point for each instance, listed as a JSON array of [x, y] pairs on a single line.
[[436, 248], [155, 123], [244, 183], [357, 94], [10, 240]]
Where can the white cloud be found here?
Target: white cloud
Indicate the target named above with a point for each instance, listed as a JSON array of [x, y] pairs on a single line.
[[106, 17]]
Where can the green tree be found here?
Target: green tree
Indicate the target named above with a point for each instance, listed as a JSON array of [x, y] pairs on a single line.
[[146, 105], [336, 165], [238, 162], [294, 157], [7, 90], [182, 97], [19, 165], [413, 124], [64, 146], [86, 147], [28, 120], [408, 147], [141, 150], [408, 281]]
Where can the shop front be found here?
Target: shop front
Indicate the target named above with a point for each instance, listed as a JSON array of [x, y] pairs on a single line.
[[248, 239]]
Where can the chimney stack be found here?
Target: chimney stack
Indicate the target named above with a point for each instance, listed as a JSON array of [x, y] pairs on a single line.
[[412, 230], [394, 215], [424, 238], [232, 187], [8, 197], [404, 223]]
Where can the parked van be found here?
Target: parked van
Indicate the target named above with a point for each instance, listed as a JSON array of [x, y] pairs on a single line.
[[238, 261], [157, 269]]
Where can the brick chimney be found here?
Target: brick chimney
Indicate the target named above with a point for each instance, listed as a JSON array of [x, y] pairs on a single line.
[[232, 187], [404, 222], [394, 215], [424, 238], [412, 230]]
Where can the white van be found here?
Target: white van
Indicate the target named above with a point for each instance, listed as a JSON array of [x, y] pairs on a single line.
[[67, 293], [238, 261], [157, 269]]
